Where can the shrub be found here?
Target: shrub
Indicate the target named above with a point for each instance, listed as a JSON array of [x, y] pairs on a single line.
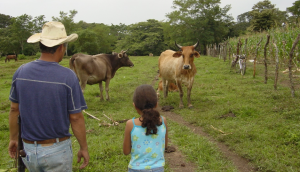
[[21, 57], [38, 54]]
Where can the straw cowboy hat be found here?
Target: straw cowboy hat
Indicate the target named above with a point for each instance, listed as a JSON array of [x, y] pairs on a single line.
[[53, 33]]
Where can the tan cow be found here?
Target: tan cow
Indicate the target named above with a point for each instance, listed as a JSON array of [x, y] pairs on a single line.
[[178, 67], [172, 86], [95, 69]]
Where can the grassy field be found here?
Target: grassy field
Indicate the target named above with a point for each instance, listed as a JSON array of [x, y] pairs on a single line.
[[261, 124]]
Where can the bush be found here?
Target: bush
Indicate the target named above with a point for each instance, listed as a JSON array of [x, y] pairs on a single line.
[[21, 57], [38, 54]]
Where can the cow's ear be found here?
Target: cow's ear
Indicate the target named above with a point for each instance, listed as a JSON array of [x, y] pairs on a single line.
[[120, 55], [177, 54], [196, 54]]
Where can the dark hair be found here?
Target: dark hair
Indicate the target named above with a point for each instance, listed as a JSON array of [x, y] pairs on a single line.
[[145, 99], [45, 49], [52, 50]]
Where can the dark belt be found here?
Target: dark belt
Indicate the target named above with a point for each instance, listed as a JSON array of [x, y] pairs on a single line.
[[46, 141]]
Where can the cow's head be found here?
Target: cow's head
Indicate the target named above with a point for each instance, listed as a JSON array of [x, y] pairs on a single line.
[[188, 53], [124, 59]]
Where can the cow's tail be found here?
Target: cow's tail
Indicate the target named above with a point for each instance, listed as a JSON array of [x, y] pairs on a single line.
[[72, 63]]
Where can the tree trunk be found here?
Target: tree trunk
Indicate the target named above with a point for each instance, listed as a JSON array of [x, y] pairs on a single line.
[[207, 51], [256, 52], [290, 65], [265, 59]]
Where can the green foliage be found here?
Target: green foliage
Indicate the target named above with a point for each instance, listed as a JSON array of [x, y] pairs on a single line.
[[21, 57], [143, 38], [21, 29], [38, 54], [294, 10], [67, 20], [265, 16], [86, 42], [203, 20], [5, 20]]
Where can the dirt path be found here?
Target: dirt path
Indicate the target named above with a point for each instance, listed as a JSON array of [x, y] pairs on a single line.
[[177, 161]]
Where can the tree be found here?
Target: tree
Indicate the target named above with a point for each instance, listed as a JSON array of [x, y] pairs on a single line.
[[105, 39], [38, 23], [295, 10], [5, 20], [21, 29], [265, 16], [94, 39], [119, 30], [67, 20], [199, 19], [143, 38], [87, 42]]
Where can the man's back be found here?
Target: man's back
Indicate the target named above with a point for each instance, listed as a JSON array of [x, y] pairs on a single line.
[[45, 92]]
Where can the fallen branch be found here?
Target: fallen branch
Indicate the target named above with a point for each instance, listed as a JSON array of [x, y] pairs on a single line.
[[219, 130], [91, 115], [114, 122], [103, 123]]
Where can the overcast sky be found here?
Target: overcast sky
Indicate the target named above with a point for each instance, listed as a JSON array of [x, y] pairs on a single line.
[[115, 11]]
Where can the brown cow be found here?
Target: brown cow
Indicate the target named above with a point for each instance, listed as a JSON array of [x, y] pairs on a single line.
[[9, 57], [95, 69], [178, 67]]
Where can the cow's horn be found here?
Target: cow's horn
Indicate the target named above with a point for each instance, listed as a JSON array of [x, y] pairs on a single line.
[[126, 50], [178, 45], [196, 44]]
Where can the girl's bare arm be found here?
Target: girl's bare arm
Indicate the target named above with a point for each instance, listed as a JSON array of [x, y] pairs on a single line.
[[127, 138]]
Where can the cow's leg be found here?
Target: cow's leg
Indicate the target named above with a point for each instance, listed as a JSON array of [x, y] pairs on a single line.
[[83, 80], [165, 88], [180, 94], [189, 90], [101, 90], [83, 84], [189, 97], [107, 88]]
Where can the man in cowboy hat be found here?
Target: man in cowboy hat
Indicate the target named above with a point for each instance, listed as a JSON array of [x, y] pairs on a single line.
[[48, 99]]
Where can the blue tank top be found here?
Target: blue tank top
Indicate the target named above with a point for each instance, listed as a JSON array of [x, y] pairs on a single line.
[[147, 152]]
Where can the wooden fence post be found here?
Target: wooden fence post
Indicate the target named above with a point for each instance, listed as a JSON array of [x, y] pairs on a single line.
[[265, 59], [277, 67], [256, 52], [245, 50], [290, 65]]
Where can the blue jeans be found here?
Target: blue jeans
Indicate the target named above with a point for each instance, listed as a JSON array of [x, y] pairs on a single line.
[[56, 157], [159, 169]]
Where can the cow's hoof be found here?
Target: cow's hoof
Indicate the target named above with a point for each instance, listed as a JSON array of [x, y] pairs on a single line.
[[181, 106], [191, 107]]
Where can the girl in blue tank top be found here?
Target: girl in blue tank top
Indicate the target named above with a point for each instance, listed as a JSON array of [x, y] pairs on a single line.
[[146, 137]]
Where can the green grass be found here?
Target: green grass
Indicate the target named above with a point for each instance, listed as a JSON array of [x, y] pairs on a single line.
[[265, 128]]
